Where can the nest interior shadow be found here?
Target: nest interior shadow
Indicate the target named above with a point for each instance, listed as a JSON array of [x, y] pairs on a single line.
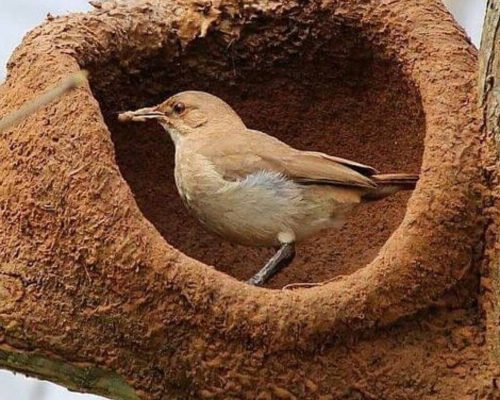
[[337, 94]]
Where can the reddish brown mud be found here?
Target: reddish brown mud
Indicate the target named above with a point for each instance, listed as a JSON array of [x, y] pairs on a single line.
[[101, 265]]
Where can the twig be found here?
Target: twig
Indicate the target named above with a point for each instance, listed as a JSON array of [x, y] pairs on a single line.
[[70, 83], [306, 285]]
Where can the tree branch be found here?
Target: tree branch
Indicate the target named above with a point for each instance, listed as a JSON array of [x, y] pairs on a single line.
[[81, 378], [489, 91]]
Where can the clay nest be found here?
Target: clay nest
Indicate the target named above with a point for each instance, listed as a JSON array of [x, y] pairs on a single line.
[[334, 93], [390, 85]]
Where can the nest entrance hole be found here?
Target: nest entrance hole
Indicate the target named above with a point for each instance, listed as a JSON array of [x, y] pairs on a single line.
[[345, 98]]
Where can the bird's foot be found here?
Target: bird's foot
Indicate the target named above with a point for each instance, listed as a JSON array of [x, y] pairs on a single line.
[[280, 260]]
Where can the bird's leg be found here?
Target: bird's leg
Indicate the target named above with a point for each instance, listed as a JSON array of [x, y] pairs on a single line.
[[280, 260]]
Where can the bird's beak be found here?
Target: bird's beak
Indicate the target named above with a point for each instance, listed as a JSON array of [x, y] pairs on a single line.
[[141, 115]]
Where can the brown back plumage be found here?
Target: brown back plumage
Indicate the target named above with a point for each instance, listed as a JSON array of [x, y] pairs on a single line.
[[239, 154], [242, 153], [237, 151]]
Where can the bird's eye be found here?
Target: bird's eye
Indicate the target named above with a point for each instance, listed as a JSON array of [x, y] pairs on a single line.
[[179, 107]]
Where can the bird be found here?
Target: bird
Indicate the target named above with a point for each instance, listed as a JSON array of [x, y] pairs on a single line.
[[250, 188]]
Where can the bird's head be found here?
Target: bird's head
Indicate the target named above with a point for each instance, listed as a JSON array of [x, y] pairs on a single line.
[[189, 113]]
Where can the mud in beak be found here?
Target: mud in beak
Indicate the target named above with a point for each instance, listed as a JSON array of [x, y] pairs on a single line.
[[141, 115]]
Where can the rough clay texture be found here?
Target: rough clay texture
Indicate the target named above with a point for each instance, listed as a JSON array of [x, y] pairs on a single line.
[[100, 263]]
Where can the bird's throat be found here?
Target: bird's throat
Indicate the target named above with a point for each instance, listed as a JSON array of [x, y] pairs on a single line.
[[175, 135]]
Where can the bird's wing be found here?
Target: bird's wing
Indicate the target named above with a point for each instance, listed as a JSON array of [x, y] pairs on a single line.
[[238, 156]]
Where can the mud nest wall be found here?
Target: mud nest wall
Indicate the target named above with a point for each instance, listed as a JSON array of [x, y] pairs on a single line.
[[103, 266], [338, 94]]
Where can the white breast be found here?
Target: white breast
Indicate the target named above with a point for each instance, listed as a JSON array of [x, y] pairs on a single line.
[[252, 211]]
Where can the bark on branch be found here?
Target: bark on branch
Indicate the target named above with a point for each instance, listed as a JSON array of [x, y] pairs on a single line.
[[489, 88]]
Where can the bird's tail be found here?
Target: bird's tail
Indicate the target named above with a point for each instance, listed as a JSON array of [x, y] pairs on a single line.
[[388, 184]]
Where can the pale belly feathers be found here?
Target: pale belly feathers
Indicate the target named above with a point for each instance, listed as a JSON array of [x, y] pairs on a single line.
[[263, 209]]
